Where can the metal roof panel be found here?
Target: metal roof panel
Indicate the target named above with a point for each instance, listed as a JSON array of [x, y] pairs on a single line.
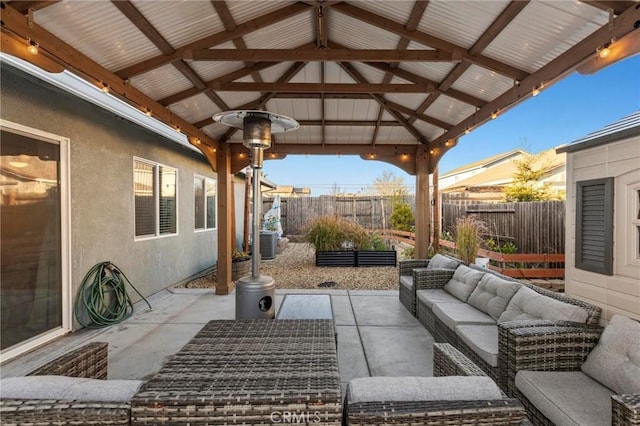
[[287, 34], [195, 108], [356, 34], [482, 83], [449, 110], [161, 82]]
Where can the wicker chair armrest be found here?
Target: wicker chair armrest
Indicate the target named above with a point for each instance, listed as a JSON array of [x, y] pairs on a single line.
[[548, 348], [625, 409], [60, 412], [89, 361], [430, 278], [504, 412], [406, 266], [512, 325]]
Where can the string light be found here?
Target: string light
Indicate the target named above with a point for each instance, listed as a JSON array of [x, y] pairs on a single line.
[[147, 112], [535, 91], [604, 52], [33, 47], [467, 131], [494, 115], [105, 88]]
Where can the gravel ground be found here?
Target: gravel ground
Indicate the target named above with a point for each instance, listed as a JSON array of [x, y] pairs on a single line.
[[295, 268]]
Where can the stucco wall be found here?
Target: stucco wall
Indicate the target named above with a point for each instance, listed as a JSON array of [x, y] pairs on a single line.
[[102, 148], [620, 292]]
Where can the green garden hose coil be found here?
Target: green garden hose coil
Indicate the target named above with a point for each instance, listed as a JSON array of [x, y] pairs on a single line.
[[103, 295]]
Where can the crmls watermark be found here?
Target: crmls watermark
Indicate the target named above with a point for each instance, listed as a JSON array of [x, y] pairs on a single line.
[[295, 417]]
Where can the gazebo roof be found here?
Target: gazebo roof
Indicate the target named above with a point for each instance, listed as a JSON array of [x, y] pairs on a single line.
[[386, 80]]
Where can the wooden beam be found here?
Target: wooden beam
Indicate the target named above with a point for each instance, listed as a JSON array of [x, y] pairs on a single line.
[[550, 73], [322, 88], [229, 24], [429, 40], [215, 39], [617, 6], [321, 26], [24, 6], [353, 73], [86, 68], [346, 148], [226, 239], [353, 123], [324, 55]]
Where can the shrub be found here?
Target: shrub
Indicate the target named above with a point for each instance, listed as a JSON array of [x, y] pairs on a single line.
[[402, 217], [332, 233]]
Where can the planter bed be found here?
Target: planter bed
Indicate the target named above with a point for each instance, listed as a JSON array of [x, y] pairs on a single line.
[[356, 258]]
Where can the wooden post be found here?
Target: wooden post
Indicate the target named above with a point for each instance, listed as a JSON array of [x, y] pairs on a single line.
[[436, 212], [423, 206], [226, 239]]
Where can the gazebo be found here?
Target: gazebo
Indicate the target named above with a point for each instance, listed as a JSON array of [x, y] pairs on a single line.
[[392, 81]]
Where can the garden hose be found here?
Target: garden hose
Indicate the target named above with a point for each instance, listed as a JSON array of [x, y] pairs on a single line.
[[103, 295]]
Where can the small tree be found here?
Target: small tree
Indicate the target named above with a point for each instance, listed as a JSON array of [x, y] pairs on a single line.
[[526, 185], [402, 217], [388, 184]]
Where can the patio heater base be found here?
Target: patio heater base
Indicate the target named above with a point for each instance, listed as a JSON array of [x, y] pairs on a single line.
[[255, 297]]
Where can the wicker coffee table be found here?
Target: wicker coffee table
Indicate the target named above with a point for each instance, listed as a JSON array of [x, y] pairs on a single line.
[[250, 372]]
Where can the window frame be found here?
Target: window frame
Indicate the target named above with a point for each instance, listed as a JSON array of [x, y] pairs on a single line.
[[606, 266], [156, 191], [205, 180]]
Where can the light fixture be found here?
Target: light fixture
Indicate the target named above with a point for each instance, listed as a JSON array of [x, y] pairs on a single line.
[[105, 88], [448, 143], [494, 115], [604, 51], [196, 141], [33, 47], [535, 91], [18, 164], [467, 130], [372, 155], [147, 112], [432, 151]]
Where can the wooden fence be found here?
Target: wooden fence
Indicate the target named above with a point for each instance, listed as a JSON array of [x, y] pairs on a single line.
[[371, 212], [536, 227]]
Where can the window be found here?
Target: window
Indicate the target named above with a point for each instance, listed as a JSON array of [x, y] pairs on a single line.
[[634, 198], [594, 225], [154, 187], [204, 195]]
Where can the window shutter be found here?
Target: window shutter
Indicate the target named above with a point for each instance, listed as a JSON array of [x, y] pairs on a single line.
[[594, 225]]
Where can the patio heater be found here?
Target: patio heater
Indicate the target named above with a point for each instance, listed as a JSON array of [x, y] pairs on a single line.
[[255, 294]]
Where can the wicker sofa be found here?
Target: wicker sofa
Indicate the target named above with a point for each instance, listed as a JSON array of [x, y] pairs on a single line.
[[89, 361], [414, 272], [480, 312]]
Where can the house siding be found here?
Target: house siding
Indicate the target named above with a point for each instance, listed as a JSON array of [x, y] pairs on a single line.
[[619, 293], [102, 149]]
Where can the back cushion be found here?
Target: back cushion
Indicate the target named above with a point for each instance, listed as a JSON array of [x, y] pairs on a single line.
[[615, 361], [492, 294], [442, 262], [529, 305], [463, 282]]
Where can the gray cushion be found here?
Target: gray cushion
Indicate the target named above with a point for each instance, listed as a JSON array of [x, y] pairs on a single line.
[[530, 305], [431, 296], [492, 294], [449, 388], [406, 281], [567, 398], [68, 388], [452, 314], [615, 361], [463, 282], [442, 262], [481, 339]]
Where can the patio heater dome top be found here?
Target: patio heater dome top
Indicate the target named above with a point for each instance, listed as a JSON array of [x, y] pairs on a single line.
[[279, 123]]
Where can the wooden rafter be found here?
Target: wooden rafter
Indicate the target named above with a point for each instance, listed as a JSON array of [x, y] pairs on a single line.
[[506, 16], [215, 39], [331, 55], [321, 26], [553, 71], [617, 6], [78, 63], [24, 6], [429, 40], [323, 88], [356, 123], [137, 19], [229, 24], [412, 24], [353, 73]]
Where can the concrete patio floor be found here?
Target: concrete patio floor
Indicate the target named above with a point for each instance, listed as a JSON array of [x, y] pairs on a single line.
[[377, 336]]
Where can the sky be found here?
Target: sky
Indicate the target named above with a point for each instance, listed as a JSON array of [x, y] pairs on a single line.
[[564, 112]]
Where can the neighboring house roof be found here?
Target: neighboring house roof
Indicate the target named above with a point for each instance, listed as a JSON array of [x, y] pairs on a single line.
[[289, 190], [502, 174], [485, 162], [624, 128]]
